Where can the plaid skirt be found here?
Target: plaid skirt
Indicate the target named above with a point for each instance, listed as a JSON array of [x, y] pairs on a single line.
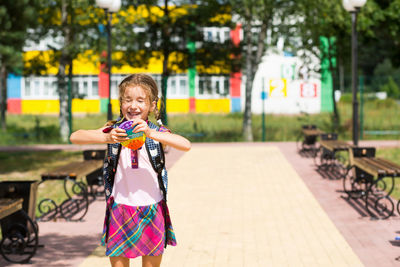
[[137, 231]]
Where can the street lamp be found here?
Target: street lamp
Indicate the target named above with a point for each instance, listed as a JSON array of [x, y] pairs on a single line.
[[109, 6], [354, 6]]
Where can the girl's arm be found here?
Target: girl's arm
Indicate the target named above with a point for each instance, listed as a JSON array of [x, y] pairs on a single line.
[[170, 139], [82, 137], [166, 138]]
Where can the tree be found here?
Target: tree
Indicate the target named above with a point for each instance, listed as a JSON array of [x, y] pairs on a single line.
[[256, 18], [15, 16], [378, 36], [167, 28], [325, 37], [70, 29]]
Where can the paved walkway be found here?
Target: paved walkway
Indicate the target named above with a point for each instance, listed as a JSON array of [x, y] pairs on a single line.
[[242, 205], [246, 206]]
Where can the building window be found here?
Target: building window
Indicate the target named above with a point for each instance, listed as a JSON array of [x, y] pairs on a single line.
[[95, 88], [205, 86], [213, 86], [85, 88], [54, 88], [216, 34], [27, 89], [115, 80], [183, 88], [46, 87], [75, 89], [226, 86], [177, 86], [227, 35], [209, 36], [36, 88], [172, 88]]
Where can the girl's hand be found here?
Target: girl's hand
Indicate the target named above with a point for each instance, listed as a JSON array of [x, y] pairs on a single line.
[[117, 135], [141, 126]]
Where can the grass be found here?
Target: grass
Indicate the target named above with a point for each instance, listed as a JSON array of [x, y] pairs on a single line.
[[392, 154], [379, 115], [18, 166]]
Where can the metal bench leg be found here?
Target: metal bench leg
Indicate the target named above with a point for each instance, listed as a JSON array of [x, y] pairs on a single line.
[[75, 208], [48, 208], [20, 242], [352, 186], [377, 201]]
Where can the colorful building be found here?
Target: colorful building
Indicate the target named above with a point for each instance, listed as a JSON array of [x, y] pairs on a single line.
[[281, 86]]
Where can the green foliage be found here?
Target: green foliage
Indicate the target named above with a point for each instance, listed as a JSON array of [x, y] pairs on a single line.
[[69, 28], [169, 30], [391, 88], [71, 25], [385, 78], [15, 17]]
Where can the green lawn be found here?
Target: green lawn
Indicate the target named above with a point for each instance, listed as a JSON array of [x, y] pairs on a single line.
[[378, 116]]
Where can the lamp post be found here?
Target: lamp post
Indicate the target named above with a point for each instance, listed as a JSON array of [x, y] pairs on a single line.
[[109, 6], [354, 6]]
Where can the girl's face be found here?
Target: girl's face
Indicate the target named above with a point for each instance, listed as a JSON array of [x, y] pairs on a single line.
[[136, 103]]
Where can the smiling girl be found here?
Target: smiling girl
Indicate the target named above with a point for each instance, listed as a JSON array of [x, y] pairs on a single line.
[[137, 221]]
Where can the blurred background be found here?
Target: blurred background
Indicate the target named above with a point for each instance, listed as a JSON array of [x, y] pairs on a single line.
[[227, 70]]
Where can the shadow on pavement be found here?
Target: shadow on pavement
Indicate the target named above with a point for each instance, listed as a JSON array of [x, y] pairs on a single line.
[[60, 250]]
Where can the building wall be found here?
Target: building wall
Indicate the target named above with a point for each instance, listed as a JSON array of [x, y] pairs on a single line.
[[281, 86]]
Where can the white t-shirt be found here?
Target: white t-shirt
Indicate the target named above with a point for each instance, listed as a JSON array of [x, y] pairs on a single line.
[[136, 187]]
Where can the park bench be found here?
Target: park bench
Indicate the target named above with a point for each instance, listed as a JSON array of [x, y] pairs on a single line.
[[328, 161], [19, 231], [371, 179], [306, 141], [76, 204]]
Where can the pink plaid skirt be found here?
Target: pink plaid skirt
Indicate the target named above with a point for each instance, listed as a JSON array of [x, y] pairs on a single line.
[[136, 231]]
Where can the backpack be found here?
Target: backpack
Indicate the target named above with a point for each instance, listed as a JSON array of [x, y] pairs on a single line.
[[156, 156]]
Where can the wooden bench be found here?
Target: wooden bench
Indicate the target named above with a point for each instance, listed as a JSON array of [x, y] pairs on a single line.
[[307, 140], [15, 232], [8, 206], [372, 179], [74, 170], [330, 164], [75, 207]]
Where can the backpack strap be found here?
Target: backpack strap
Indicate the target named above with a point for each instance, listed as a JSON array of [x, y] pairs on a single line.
[[157, 158]]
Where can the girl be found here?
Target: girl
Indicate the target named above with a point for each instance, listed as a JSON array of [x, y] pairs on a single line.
[[137, 220]]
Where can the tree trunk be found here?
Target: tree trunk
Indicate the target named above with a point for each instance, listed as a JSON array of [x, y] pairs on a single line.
[[3, 95], [164, 87], [61, 76], [252, 62], [247, 120], [166, 32], [63, 96], [70, 76]]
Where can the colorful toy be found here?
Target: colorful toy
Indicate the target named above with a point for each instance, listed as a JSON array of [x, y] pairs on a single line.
[[136, 140]]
